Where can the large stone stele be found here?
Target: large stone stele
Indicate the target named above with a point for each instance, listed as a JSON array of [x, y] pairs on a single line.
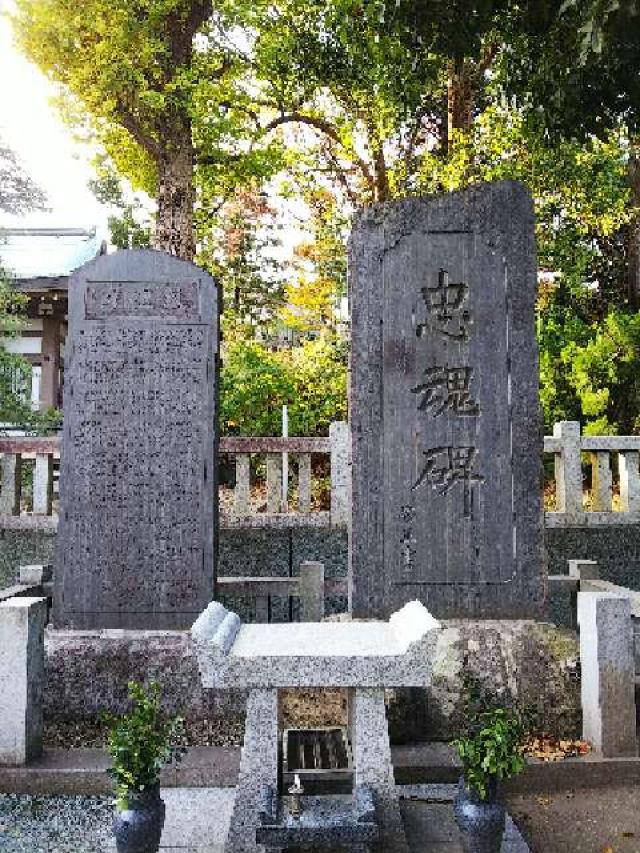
[[138, 490], [445, 416]]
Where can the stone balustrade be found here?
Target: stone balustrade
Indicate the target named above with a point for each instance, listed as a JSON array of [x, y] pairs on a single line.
[[35, 461], [614, 461], [571, 450]]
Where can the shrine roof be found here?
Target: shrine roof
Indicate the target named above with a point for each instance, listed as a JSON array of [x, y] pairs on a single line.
[[45, 257]]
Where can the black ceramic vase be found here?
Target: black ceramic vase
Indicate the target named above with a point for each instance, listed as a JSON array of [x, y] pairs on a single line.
[[481, 822], [138, 829]]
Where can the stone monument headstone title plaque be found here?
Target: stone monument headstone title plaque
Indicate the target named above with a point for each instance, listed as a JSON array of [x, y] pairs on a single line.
[[138, 487], [445, 415]]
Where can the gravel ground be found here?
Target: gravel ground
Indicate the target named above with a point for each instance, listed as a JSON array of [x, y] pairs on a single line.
[[601, 820], [590, 821], [54, 824]]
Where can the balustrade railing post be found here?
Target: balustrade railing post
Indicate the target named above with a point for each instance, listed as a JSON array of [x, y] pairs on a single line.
[[304, 482], [43, 484], [629, 481], [242, 490], [274, 483], [568, 468], [11, 493], [339, 440], [601, 481]]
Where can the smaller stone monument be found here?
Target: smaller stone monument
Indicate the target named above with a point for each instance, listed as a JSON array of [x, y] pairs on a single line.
[[138, 529], [366, 658]]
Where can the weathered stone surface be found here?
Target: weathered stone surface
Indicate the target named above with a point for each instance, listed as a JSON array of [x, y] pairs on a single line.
[[616, 548], [369, 737], [445, 416], [21, 678], [137, 541], [530, 662], [608, 673], [87, 672]]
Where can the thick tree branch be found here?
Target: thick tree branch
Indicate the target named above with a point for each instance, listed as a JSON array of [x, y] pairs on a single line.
[[135, 129], [328, 130]]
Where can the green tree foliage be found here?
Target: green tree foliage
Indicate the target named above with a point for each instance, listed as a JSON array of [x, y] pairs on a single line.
[[18, 192], [320, 267], [241, 249], [256, 382], [157, 84]]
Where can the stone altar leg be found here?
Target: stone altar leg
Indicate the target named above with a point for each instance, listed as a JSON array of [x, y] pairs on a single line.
[[372, 761], [258, 767]]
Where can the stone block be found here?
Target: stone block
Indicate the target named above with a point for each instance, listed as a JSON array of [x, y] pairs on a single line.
[[22, 622], [137, 541], [608, 673], [446, 429], [311, 591], [34, 575]]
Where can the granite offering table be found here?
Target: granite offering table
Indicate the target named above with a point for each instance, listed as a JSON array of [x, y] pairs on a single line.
[[365, 658]]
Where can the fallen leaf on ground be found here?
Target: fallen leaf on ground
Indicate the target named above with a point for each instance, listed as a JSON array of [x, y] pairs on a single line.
[[549, 748]]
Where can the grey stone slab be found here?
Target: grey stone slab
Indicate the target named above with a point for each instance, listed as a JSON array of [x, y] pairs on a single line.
[[396, 653], [22, 623], [445, 415], [197, 818], [607, 673], [138, 484]]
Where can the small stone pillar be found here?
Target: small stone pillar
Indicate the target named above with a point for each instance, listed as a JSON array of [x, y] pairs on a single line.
[[10, 494], [311, 591], [368, 730], [22, 622], [608, 673], [568, 468], [339, 440]]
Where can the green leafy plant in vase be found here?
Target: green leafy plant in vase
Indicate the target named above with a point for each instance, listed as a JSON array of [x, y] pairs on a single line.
[[140, 744], [490, 752]]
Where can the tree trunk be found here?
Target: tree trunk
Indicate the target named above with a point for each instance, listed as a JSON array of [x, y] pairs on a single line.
[[176, 195], [382, 192], [633, 250], [460, 92]]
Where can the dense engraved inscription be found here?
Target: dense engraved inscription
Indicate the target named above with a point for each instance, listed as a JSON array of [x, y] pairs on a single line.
[[136, 543], [178, 300]]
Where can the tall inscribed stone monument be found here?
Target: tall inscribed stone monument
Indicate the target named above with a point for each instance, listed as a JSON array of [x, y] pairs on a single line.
[[138, 528], [445, 415]]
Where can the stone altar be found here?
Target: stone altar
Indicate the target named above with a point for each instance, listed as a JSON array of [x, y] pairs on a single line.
[[138, 487], [445, 416], [364, 657]]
